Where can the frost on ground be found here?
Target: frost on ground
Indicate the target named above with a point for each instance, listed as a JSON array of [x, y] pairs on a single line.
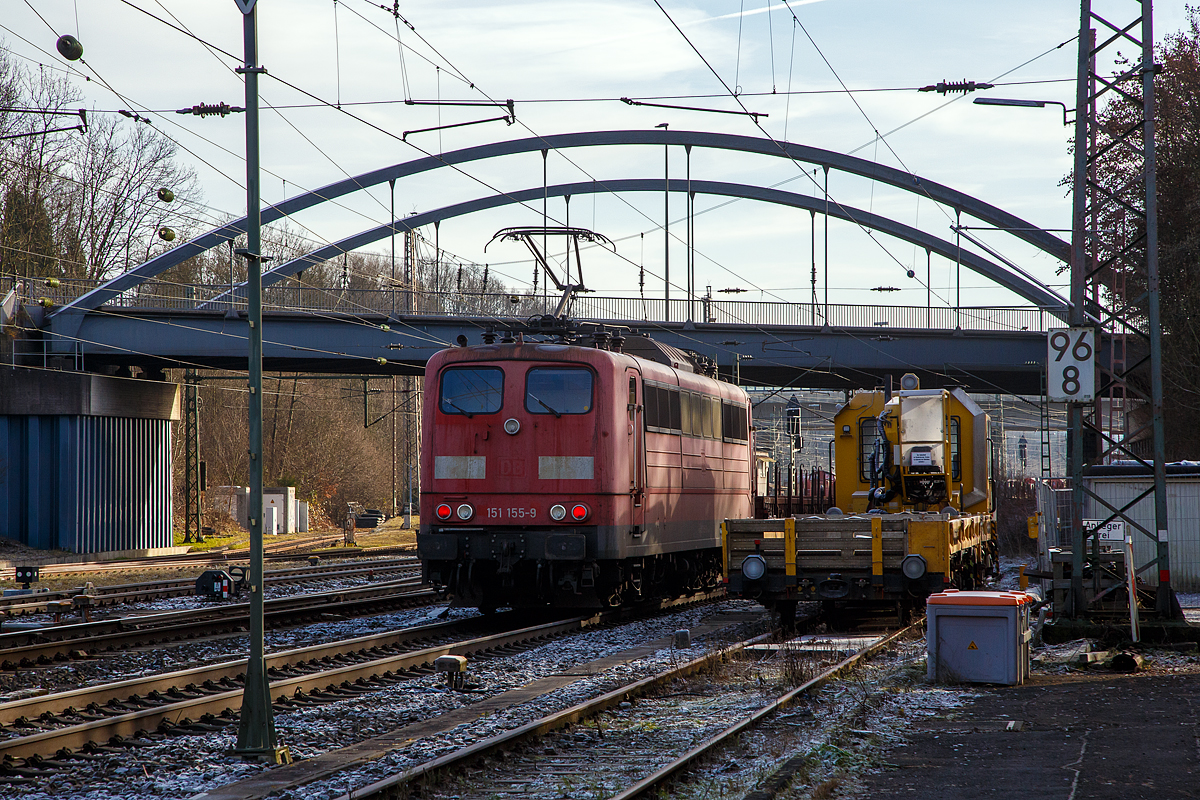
[[839, 731], [187, 765], [157, 659]]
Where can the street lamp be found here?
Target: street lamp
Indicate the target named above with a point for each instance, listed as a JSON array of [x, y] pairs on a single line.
[[1001, 101]]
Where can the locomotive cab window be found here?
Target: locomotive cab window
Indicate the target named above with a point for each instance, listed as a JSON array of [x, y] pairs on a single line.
[[955, 449], [734, 422], [868, 428], [471, 390], [552, 390]]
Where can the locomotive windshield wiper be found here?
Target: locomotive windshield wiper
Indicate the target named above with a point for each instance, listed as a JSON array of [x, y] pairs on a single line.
[[457, 408], [543, 405]]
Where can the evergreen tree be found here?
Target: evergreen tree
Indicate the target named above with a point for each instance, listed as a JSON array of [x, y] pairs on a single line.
[[26, 236]]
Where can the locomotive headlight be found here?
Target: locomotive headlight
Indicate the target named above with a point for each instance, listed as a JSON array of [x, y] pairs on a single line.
[[558, 513], [443, 511], [913, 567], [511, 426], [579, 512], [465, 512], [754, 567]]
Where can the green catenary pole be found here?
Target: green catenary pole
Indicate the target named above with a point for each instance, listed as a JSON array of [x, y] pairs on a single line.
[[256, 731]]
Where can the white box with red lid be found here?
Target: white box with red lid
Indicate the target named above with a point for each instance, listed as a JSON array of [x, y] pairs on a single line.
[[978, 637]]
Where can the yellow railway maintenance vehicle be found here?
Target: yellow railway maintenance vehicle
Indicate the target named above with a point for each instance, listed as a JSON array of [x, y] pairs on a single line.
[[914, 515]]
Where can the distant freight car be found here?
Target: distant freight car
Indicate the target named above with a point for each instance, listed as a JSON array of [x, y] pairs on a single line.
[[555, 473], [914, 512]]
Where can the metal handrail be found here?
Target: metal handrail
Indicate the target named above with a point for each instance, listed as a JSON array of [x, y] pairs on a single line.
[[373, 301]]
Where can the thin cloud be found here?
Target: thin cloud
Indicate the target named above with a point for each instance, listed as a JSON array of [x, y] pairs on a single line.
[[751, 12]]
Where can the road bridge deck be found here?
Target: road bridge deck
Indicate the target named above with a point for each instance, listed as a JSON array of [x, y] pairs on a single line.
[[372, 343]]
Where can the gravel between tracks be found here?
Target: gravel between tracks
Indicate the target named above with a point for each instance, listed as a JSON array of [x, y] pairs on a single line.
[[849, 734], [187, 765], [107, 668]]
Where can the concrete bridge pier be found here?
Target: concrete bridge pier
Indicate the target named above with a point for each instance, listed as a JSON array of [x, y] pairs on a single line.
[[85, 460]]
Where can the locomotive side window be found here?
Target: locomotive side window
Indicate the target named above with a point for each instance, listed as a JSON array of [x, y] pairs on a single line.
[[706, 416], [694, 414], [662, 408], [650, 395], [673, 410], [734, 422], [471, 390], [551, 390]]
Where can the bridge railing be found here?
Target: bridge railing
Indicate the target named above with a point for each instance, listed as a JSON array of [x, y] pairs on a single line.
[[289, 296]]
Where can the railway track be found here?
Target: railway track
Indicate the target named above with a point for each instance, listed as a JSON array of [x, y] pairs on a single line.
[[85, 723], [20, 605], [594, 761], [43, 646], [204, 696], [283, 551]]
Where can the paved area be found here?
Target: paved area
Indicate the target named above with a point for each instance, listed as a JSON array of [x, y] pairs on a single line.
[[1065, 737]]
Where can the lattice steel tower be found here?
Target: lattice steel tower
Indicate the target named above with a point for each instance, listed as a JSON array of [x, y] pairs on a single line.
[[1115, 281]]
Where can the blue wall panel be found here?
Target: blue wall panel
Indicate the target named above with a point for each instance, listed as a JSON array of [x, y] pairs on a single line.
[[85, 483]]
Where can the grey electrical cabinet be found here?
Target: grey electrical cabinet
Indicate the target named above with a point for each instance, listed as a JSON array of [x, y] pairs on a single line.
[[978, 637]]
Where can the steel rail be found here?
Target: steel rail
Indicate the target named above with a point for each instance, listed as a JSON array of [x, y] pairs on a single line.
[[394, 786], [395, 783], [175, 587], [136, 722], [656, 779], [218, 556], [132, 631], [13, 710]]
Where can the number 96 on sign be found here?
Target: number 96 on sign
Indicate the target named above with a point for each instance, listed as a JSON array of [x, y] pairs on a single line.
[[1071, 365]]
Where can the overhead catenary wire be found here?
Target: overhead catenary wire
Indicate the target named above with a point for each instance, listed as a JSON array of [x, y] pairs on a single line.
[[473, 86], [755, 121], [737, 98], [327, 103], [189, 151], [214, 51], [567, 158]]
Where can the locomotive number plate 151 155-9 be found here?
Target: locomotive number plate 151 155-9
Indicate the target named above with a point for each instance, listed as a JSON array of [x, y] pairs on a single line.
[[511, 513]]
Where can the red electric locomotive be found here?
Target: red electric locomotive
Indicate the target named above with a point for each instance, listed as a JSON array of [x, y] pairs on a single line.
[[578, 476]]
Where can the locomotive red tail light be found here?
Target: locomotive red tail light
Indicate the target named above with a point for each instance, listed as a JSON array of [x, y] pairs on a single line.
[[443, 511], [579, 512]]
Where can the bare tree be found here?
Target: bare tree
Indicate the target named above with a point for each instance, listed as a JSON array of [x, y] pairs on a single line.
[[113, 201], [1120, 237], [81, 204]]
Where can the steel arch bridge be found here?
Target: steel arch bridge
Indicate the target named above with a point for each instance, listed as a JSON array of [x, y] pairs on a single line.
[[67, 323]]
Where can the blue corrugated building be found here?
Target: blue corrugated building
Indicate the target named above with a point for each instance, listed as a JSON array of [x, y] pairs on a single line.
[[85, 460]]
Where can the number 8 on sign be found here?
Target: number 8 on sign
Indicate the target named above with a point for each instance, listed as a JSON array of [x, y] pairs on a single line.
[[1071, 365]]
